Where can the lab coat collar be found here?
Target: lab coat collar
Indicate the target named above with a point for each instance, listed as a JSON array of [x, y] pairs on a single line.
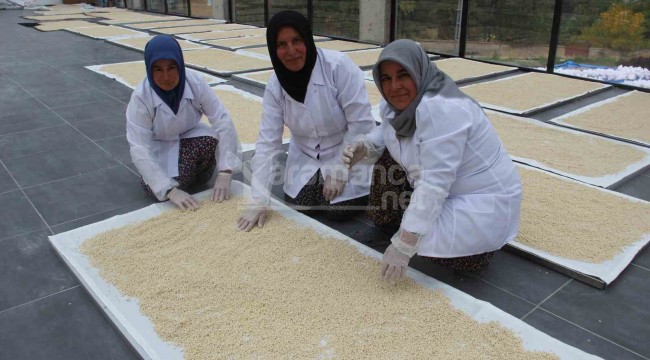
[[317, 72]]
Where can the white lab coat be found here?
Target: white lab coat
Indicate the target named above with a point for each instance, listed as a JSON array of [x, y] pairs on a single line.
[[335, 110], [154, 131], [467, 192]]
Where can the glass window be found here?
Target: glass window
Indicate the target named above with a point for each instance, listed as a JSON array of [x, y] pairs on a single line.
[[177, 7], [295, 5], [434, 24], [510, 31], [249, 12], [596, 36], [336, 18], [135, 4], [156, 6], [201, 8]]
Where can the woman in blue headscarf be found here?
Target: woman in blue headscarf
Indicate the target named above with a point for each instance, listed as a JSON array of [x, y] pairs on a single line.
[[171, 148]]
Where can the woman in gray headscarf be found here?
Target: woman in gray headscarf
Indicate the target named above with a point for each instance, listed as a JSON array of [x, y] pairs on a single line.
[[442, 174]]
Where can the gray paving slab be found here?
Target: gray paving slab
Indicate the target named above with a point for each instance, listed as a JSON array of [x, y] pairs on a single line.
[[30, 269], [44, 167], [118, 147], [29, 119], [638, 187], [6, 182], [17, 215], [91, 219], [643, 258], [476, 287], [52, 88], [100, 108], [118, 91], [102, 128], [88, 194], [531, 281], [61, 326], [620, 314], [19, 102], [83, 94], [40, 140], [576, 336]]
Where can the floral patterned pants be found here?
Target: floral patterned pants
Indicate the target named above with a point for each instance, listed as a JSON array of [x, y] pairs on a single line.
[[196, 162], [310, 198], [389, 196]]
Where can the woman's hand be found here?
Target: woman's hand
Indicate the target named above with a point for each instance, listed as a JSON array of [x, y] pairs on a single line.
[[398, 254], [221, 188], [353, 153], [332, 188], [393, 264], [183, 200], [254, 215]]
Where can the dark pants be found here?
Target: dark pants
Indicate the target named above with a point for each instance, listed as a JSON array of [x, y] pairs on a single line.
[[389, 196], [196, 163], [310, 198]]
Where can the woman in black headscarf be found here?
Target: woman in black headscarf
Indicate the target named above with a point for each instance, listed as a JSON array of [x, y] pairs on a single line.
[[170, 147], [443, 155], [320, 96]]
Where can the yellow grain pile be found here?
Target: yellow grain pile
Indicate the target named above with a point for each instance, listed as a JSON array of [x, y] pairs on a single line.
[[530, 91], [563, 150], [626, 116], [578, 222], [281, 292]]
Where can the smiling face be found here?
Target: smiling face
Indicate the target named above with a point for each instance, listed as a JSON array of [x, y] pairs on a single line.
[[165, 74], [397, 85], [291, 49]]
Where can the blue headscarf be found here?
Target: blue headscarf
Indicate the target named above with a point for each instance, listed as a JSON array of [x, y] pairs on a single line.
[[165, 47]]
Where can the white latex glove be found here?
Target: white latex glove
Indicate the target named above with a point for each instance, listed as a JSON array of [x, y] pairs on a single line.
[[332, 188], [221, 187], [183, 200], [398, 254], [353, 153], [254, 215]]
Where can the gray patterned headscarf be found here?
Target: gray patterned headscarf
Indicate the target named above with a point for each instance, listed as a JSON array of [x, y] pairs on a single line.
[[425, 74]]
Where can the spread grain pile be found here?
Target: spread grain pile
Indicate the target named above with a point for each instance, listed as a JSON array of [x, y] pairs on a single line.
[[572, 152], [59, 25], [281, 292], [364, 57], [246, 114], [576, 221], [141, 42], [262, 76], [529, 91], [223, 61], [106, 31], [461, 69], [132, 73], [625, 116]]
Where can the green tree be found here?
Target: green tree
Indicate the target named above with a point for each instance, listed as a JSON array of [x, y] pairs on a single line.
[[617, 28]]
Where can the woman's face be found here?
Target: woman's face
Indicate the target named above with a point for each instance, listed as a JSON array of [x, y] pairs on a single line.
[[397, 84], [291, 49], [165, 74]]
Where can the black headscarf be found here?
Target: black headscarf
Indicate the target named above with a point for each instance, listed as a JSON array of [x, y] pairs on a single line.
[[294, 83], [165, 47]]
